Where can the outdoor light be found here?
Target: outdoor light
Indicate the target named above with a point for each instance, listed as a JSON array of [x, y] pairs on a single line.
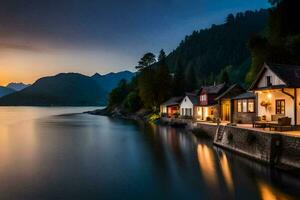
[[269, 95]]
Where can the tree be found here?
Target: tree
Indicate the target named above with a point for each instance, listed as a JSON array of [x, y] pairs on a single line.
[[230, 19], [190, 80], [274, 2], [163, 80], [224, 77], [118, 94], [162, 55], [132, 101], [147, 87], [147, 60], [179, 80]]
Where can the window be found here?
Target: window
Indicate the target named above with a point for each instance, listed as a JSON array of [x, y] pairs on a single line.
[[239, 106], [250, 105], [245, 106], [269, 80], [182, 111], [203, 97], [280, 106]]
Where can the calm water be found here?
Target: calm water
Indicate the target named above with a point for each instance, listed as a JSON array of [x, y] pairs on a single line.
[[46, 155]]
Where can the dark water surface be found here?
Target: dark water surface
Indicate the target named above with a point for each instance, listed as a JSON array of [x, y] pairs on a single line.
[[44, 155]]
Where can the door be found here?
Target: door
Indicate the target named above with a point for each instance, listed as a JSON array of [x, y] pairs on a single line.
[[226, 111]]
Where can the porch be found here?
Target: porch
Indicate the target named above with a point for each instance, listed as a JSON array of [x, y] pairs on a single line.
[[273, 104]]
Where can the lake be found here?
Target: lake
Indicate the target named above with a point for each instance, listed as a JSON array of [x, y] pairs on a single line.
[[52, 153]]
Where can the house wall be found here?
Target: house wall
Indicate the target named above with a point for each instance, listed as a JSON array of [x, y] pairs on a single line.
[[272, 96], [202, 112], [163, 109], [298, 105], [186, 104], [274, 79], [243, 117]]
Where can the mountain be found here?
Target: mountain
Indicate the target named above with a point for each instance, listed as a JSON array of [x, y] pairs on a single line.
[[17, 86], [5, 91], [211, 50], [110, 81], [65, 89]]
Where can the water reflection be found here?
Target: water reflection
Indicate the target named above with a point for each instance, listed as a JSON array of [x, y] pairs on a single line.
[[226, 171], [269, 193], [62, 157], [207, 165]]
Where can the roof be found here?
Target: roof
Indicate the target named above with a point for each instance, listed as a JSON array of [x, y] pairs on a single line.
[[289, 74], [246, 95], [214, 89], [193, 97], [232, 91], [172, 101]]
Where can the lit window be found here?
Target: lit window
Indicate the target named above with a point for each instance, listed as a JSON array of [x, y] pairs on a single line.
[[280, 107], [239, 106], [245, 105], [250, 105]]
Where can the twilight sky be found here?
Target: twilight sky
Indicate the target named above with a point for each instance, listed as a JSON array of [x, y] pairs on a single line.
[[45, 37]]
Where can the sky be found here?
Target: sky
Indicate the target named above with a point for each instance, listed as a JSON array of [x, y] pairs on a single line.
[[45, 37]]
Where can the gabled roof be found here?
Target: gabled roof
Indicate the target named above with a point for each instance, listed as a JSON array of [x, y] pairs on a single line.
[[193, 97], [246, 95], [172, 101], [289, 74], [232, 91], [214, 89]]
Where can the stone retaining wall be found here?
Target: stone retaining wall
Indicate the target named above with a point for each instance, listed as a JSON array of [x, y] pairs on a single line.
[[257, 145], [290, 152], [272, 148]]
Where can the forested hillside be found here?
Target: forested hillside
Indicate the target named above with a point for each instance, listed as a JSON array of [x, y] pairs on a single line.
[[209, 51], [232, 52]]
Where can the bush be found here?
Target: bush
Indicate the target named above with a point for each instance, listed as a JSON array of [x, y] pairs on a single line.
[[153, 117]]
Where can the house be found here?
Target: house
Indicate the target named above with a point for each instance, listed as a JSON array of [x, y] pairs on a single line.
[[188, 105], [171, 107], [243, 108], [224, 106], [207, 106], [277, 88]]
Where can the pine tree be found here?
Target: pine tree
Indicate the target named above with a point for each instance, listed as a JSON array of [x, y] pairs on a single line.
[[190, 80], [179, 80]]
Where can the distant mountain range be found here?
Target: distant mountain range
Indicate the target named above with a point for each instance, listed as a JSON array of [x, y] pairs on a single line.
[[17, 86], [66, 89], [110, 81], [5, 91]]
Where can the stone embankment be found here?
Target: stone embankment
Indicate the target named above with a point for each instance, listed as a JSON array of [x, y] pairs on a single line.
[[275, 149]]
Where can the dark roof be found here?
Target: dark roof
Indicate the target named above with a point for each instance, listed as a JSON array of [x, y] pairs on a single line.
[[232, 91], [246, 95], [214, 89], [289, 74], [172, 101], [193, 97]]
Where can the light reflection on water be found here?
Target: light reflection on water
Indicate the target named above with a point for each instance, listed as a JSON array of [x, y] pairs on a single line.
[[46, 156]]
